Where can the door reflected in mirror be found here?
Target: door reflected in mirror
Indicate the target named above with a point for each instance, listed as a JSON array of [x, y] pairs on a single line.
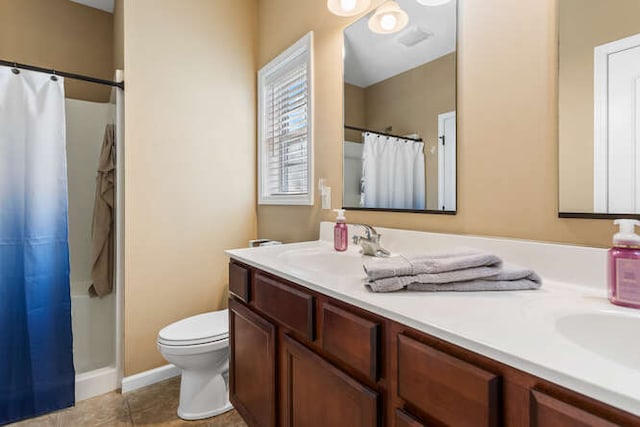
[[400, 112], [599, 106]]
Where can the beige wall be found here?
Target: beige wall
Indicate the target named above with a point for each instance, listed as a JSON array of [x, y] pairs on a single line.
[[410, 102], [190, 160], [354, 111], [583, 25], [118, 35], [507, 116], [62, 35]]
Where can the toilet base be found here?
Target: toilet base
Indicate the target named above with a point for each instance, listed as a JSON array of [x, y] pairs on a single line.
[[202, 396], [213, 413]]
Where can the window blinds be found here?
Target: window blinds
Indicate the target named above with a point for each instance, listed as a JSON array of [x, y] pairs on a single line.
[[285, 144]]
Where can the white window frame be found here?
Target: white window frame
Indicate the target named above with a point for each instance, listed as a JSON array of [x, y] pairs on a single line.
[[304, 46]]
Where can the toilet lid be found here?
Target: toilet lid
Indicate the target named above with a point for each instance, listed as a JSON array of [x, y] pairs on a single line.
[[200, 329]]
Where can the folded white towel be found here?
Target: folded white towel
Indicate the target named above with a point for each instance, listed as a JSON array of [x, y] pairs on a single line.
[[429, 263]]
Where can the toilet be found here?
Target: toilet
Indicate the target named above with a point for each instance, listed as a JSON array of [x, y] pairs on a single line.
[[199, 346]]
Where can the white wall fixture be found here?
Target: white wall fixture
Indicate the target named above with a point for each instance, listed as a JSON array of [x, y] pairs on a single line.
[[348, 7], [388, 18], [325, 193], [433, 2]]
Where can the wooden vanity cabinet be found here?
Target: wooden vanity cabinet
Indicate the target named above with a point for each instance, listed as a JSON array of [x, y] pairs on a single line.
[[299, 358]]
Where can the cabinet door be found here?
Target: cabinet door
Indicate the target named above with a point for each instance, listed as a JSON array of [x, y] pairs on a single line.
[[252, 365], [317, 394], [547, 411], [405, 420]]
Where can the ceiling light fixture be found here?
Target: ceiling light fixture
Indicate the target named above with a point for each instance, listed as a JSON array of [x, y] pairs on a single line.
[[348, 7], [388, 18], [433, 2]]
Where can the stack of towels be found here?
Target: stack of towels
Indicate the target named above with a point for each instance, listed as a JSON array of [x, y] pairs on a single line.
[[456, 270]]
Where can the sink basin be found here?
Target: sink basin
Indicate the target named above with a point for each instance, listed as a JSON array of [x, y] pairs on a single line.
[[611, 335], [325, 260]]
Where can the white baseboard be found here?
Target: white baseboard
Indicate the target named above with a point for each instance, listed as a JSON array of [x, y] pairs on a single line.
[[95, 383], [152, 376]]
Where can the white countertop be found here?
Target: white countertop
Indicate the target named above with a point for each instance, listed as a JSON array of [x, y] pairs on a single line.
[[565, 333]]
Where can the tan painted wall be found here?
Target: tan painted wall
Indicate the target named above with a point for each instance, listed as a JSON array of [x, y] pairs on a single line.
[[583, 25], [411, 102], [507, 115], [62, 35], [190, 160]]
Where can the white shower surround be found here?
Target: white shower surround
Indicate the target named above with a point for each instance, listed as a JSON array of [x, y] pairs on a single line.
[[108, 378]]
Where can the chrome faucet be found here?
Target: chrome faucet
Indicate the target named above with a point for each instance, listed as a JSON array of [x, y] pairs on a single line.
[[370, 242]]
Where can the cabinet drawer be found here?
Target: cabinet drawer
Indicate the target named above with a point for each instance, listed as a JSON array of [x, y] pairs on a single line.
[[352, 339], [405, 420], [547, 411], [447, 389], [289, 306], [239, 280]]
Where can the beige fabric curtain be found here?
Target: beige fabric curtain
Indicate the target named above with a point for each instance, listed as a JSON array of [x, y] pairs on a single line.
[[102, 230]]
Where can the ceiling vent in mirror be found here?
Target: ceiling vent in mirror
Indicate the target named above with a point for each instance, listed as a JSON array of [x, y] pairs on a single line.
[[348, 7], [433, 2], [388, 18], [414, 35]]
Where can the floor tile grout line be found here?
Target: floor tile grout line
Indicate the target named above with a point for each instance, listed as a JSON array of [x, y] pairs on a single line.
[[126, 400]]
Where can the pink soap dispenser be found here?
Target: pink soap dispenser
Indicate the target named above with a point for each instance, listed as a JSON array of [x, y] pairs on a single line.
[[624, 265], [340, 232]]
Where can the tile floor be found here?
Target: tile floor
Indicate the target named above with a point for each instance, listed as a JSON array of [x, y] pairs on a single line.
[[155, 405]]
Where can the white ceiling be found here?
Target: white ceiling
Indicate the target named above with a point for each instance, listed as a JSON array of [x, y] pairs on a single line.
[[371, 58], [106, 5]]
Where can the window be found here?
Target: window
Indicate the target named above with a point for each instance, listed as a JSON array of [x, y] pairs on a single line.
[[285, 166]]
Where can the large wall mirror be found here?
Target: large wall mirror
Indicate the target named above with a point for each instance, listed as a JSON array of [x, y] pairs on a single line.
[[400, 108], [599, 107]]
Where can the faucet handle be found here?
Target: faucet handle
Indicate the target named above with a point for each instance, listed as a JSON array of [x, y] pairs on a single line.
[[369, 231]]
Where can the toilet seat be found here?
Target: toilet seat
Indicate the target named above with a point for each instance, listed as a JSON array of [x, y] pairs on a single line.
[[196, 330]]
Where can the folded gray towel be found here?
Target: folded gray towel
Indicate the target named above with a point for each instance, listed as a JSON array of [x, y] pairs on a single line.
[[470, 279], [436, 262], [476, 286], [390, 284]]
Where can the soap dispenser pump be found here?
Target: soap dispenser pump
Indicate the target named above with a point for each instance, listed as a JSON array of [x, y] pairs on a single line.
[[624, 265], [340, 232]]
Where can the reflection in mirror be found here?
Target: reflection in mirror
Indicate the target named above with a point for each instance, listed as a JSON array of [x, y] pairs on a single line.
[[400, 112], [599, 106]]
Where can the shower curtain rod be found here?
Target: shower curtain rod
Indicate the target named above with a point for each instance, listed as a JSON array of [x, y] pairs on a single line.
[[382, 133], [62, 74]]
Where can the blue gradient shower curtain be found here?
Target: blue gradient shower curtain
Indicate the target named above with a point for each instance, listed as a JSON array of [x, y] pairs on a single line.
[[36, 359]]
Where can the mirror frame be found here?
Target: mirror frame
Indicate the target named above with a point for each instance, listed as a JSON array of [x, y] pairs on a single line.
[[561, 214], [457, 97]]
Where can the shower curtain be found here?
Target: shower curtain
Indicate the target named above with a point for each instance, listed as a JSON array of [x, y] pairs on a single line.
[[393, 175], [36, 360]]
